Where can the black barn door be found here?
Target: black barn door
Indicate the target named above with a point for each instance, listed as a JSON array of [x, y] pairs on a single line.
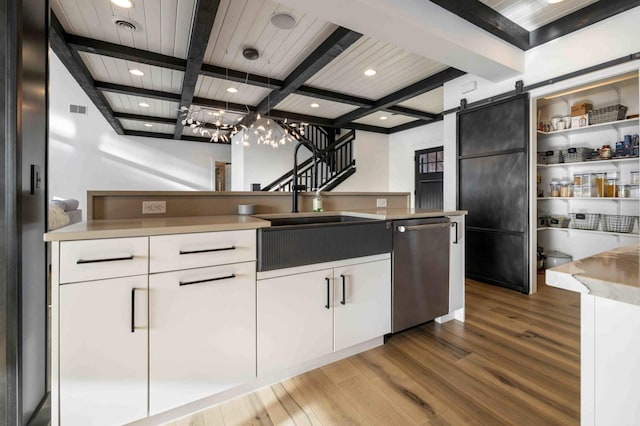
[[429, 168], [493, 169]]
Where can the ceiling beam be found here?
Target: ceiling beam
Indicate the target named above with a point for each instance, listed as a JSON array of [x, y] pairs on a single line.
[[118, 51], [170, 136], [410, 112], [367, 128], [141, 117], [488, 19], [73, 62], [224, 105], [581, 18], [205, 15], [328, 50], [240, 77], [422, 86], [137, 91], [329, 95]]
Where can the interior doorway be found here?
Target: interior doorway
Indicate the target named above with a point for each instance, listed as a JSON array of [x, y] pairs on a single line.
[[429, 172]]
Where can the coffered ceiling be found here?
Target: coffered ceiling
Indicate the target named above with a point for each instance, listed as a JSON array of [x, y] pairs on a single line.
[[191, 52]]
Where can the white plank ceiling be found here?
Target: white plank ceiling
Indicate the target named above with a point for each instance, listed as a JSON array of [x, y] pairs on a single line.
[[533, 14], [391, 119], [216, 88], [140, 126], [302, 105], [396, 69], [432, 101], [246, 23], [165, 25], [112, 70], [130, 104]]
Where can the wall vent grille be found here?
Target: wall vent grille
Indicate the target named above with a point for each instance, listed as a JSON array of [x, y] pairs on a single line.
[[78, 109]]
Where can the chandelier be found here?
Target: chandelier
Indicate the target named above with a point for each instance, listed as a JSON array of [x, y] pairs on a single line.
[[219, 127]]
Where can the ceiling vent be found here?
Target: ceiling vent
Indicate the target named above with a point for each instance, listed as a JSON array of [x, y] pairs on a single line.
[[77, 109], [125, 24]]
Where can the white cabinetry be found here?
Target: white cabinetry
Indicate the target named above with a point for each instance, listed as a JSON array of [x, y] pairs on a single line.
[[301, 316], [577, 242], [102, 341], [202, 334]]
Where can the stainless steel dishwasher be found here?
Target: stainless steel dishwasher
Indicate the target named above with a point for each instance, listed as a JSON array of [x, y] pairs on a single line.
[[420, 265]]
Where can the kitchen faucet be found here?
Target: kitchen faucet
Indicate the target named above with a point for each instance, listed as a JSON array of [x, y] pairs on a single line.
[[294, 183]]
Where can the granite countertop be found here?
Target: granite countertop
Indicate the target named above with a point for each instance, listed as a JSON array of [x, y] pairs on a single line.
[[613, 275], [180, 225]]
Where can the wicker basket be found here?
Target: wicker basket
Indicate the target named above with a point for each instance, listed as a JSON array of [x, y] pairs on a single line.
[[558, 221], [607, 114], [549, 157], [588, 221], [617, 223], [576, 154]]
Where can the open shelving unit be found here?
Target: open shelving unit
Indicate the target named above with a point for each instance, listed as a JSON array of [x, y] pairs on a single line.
[[580, 243]]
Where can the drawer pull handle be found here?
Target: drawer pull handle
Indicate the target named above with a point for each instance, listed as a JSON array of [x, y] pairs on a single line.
[[344, 293], [207, 250], [133, 309], [226, 277], [110, 259], [328, 305], [455, 225]]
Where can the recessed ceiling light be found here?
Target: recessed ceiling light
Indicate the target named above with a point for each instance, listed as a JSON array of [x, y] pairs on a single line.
[[232, 90], [314, 105], [127, 4], [553, 1], [283, 21], [136, 72], [384, 117], [143, 105], [370, 72], [148, 125]]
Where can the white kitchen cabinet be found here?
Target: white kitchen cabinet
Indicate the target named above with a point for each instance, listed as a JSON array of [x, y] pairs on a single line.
[[576, 242], [301, 316], [295, 319], [362, 303], [103, 351], [202, 335]]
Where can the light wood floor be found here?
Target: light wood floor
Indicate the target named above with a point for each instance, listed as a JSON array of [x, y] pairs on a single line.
[[514, 361]]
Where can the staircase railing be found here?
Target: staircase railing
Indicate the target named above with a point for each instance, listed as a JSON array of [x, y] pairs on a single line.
[[333, 160]]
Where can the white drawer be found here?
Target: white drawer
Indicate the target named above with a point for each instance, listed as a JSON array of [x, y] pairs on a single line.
[[184, 251], [98, 259]]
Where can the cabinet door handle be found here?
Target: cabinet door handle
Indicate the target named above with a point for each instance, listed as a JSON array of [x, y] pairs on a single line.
[[108, 259], [133, 309], [344, 300], [208, 280], [328, 305], [455, 225], [207, 250]]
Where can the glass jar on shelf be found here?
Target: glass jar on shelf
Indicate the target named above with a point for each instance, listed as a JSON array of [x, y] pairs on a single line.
[[577, 185], [599, 181], [554, 187], [611, 187], [566, 188]]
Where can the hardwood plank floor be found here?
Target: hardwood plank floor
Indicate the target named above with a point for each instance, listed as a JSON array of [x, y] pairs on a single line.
[[515, 361]]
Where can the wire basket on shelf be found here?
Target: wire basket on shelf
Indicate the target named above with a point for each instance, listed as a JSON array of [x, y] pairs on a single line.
[[607, 114], [558, 221], [618, 223], [549, 157], [576, 154], [588, 221]]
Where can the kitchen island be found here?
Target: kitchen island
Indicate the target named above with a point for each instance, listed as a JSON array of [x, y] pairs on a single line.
[[609, 284], [156, 318]]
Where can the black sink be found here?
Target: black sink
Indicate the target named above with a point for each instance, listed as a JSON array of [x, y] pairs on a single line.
[[314, 220]]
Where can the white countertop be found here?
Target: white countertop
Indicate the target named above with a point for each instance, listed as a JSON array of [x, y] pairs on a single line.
[[613, 275], [179, 225]]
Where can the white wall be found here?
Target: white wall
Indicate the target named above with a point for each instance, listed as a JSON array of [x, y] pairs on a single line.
[[402, 148], [260, 163], [86, 154], [372, 165]]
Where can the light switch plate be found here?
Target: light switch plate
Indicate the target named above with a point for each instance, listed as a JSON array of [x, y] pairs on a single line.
[[381, 202]]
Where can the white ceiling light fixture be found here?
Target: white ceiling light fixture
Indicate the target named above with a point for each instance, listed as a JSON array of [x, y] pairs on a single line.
[[148, 125], [553, 1], [283, 21], [136, 72], [384, 117], [370, 72], [126, 4], [232, 90], [315, 105], [143, 105]]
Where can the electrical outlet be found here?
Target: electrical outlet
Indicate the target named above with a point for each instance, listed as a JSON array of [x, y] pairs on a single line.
[[154, 207], [381, 202]]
